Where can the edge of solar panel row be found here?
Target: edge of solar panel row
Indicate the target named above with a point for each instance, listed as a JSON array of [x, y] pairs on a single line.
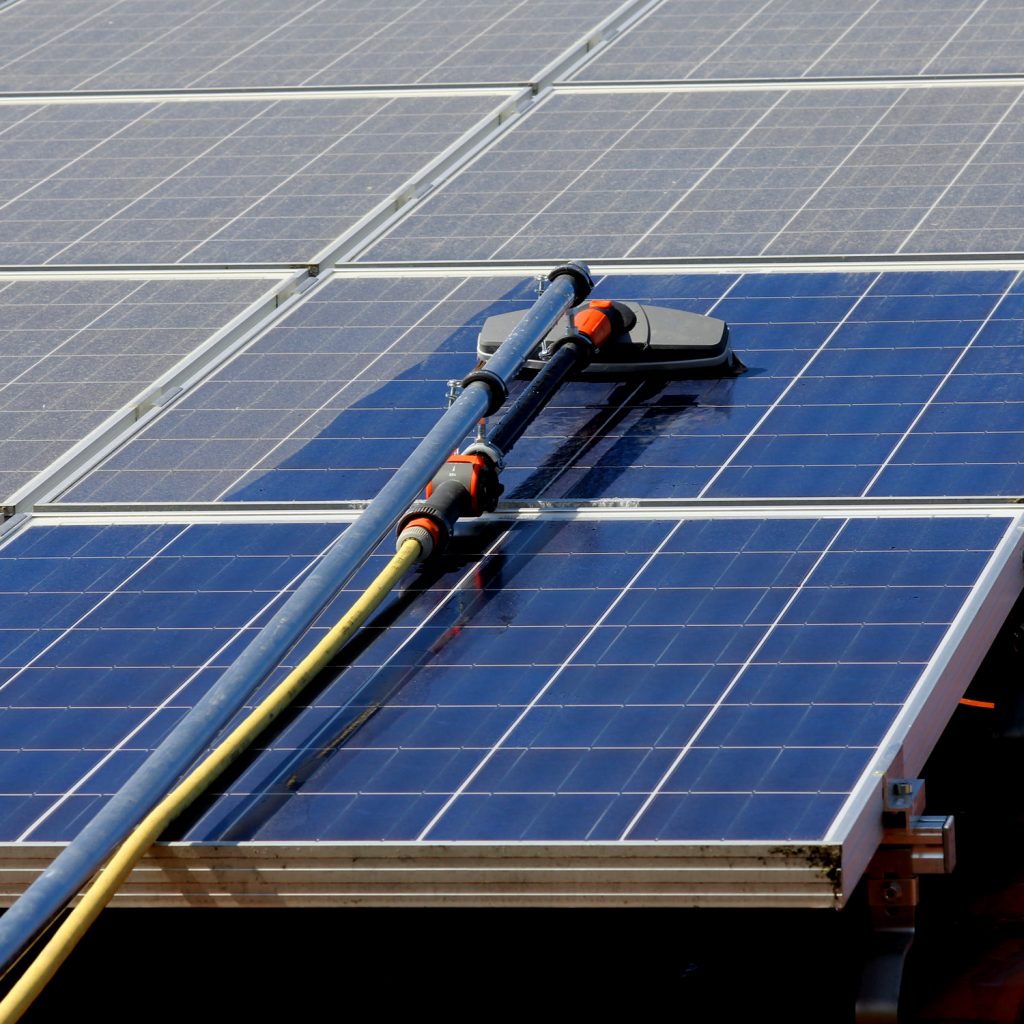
[[679, 706], [712, 742]]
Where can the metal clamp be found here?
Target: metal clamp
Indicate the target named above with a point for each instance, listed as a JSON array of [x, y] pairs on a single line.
[[453, 392], [489, 451], [912, 844]]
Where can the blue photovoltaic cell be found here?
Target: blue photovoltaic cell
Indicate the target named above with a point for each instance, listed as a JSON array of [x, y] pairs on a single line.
[[690, 39], [712, 173], [150, 44], [709, 679], [856, 385], [76, 351], [209, 180], [334, 398], [107, 633]]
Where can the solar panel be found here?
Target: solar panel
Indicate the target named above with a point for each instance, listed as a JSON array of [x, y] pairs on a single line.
[[897, 384], [676, 663], [145, 44], [687, 645], [78, 350], [802, 39], [221, 181], [668, 174], [697, 680]]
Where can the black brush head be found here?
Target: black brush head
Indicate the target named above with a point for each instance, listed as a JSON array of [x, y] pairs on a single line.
[[661, 340]]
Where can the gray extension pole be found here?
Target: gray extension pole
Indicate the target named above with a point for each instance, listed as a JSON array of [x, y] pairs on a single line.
[[485, 390]]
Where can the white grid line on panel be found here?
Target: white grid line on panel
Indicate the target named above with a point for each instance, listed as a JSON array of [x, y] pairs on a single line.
[[21, 120], [963, 167], [256, 42], [156, 39], [70, 30], [277, 188], [454, 591], [561, 668], [355, 377], [692, 73], [106, 597], [151, 108], [360, 374], [938, 53], [703, 177], [785, 391], [706, 720], [483, 32], [835, 170], [163, 181], [573, 181], [71, 337], [485, 760], [842, 35], [169, 699], [938, 387]]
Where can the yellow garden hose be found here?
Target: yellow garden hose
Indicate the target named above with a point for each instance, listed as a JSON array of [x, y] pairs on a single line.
[[105, 884]]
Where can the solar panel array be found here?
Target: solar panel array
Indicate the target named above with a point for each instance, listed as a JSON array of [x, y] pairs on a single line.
[[244, 249]]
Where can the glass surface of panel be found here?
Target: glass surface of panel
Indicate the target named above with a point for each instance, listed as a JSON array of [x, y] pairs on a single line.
[[855, 385], [77, 351], [108, 635], [741, 173], [742, 39], [146, 44], [212, 180], [544, 681], [522, 698]]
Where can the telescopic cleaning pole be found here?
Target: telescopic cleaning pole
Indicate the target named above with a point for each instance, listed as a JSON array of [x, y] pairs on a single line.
[[484, 391]]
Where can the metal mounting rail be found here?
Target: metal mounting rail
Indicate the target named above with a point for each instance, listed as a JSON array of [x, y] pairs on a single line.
[[796, 84], [602, 508], [824, 263], [243, 93], [147, 271]]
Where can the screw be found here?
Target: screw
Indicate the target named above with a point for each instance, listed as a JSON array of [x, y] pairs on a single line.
[[891, 892]]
